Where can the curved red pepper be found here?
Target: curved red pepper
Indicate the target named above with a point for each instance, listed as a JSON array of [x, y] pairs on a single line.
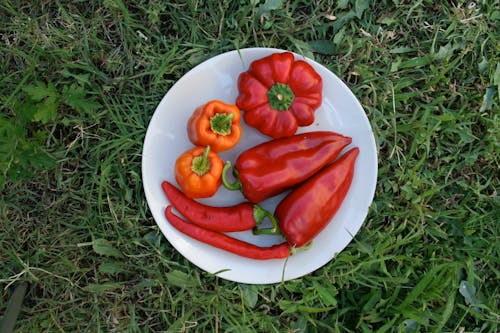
[[274, 166], [279, 94], [308, 209], [226, 242], [240, 217]]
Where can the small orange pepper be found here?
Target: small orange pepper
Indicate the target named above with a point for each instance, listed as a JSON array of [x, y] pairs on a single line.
[[198, 172], [215, 124]]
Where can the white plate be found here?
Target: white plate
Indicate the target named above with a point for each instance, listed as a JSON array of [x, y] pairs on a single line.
[[166, 139]]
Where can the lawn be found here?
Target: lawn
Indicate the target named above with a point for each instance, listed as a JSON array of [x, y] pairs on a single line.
[[80, 81]]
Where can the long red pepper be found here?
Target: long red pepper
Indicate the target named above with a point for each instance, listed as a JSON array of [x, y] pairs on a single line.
[[274, 166], [308, 209], [225, 242], [240, 217]]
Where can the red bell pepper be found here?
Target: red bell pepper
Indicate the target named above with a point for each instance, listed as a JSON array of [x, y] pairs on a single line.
[[278, 94], [240, 217], [225, 242], [274, 166], [308, 209]]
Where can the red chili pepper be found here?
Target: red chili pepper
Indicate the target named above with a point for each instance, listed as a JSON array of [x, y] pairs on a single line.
[[308, 209], [274, 166], [240, 217], [278, 94], [225, 242]]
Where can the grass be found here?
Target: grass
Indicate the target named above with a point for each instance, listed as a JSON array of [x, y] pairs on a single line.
[[80, 81]]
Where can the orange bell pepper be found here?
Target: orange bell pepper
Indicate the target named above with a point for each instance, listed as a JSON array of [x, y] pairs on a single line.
[[198, 172], [215, 124]]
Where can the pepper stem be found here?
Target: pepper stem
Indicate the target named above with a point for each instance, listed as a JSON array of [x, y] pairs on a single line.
[[259, 215], [280, 96], [221, 123], [305, 247], [236, 185], [201, 164]]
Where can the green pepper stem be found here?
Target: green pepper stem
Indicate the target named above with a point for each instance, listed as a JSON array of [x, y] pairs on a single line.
[[201, 164], [280, 96], [259, 215], [221, 123], [236, 185], [306, 247]]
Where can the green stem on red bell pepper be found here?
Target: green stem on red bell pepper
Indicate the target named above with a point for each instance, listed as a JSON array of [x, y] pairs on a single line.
[[280, 96]]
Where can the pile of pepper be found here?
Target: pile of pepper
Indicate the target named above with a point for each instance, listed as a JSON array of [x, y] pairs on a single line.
[[277, 94]]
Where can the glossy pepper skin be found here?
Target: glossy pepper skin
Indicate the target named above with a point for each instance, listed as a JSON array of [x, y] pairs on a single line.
[[274, 166], [278, 94], [225, 242], [215, 124], [240, 217], [308, 209], [198, 172]]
